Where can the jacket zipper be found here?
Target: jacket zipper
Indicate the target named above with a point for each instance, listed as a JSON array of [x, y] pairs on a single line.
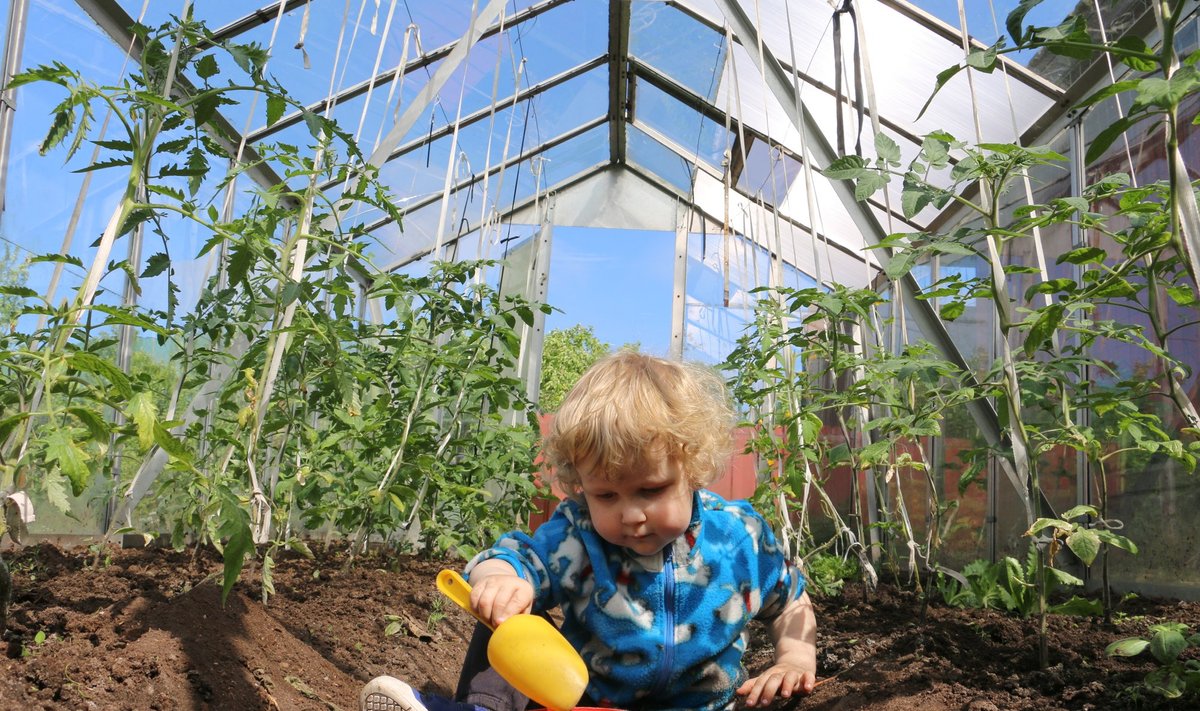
[[668, 659]]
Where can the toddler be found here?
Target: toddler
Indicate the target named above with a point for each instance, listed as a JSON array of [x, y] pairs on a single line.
[[656, 577]]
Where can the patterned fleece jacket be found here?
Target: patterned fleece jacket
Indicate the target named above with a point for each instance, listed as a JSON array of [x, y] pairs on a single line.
[[665, 631]]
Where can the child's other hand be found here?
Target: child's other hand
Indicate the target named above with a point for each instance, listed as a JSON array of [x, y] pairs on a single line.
[[499, 596], [780, 680]]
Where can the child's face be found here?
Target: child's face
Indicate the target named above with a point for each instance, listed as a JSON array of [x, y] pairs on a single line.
[[644, 508]]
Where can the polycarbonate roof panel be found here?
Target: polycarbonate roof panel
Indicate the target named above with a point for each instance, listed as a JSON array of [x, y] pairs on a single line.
[[903, 57]]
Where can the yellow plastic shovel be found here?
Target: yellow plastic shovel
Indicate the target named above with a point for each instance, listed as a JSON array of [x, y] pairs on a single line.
[[528, 652]]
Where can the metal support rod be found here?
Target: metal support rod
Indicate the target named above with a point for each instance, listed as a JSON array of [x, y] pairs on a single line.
[[18, 18], [679, 296]]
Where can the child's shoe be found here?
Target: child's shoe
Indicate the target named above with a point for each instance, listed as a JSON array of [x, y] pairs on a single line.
[[386, 693]]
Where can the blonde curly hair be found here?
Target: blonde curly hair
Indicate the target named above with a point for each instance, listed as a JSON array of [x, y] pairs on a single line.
[[630, 404]]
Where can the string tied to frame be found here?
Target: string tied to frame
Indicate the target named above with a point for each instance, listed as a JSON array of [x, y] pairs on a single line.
[[847, 8]]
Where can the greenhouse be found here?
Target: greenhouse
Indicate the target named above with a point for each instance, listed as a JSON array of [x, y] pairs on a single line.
[[291, 297]]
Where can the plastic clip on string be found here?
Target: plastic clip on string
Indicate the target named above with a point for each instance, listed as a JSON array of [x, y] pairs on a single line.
[[527, 651]]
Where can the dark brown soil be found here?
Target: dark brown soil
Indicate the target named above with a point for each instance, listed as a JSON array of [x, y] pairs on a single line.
[[145, 629]]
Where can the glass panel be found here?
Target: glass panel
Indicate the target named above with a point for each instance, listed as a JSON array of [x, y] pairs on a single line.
[[701, 137], [658, 159], [620, 282], [482, 145], [63, 34], [676, 45], [768, 172], [1149, 493], [520, 182], [721, 271]]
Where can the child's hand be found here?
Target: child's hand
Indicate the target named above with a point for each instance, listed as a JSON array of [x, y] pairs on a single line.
[[500, 596], [782, 680]]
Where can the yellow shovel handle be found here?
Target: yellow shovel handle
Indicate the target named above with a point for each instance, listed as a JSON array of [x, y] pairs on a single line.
[[454, 587]]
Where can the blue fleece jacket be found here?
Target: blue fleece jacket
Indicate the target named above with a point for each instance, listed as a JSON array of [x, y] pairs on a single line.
[[665, 631]]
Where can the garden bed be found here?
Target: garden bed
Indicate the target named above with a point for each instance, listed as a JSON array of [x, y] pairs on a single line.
[[145, 629]]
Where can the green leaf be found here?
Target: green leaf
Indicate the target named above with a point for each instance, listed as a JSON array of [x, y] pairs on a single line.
[[102, 165], [874, 453], [1083, 255], [1135, 45], [1053, 286], [73, 460], [240, 544], [1043, 328], [1084, 543], [1106, 92], [207, 67], [900, 264], [297, 545], [89, 363], [275, 108], [1080, 606], [314, 122], [943, 76], [983, 60], [1117, 541], [204, 108], [60, 258], [55, 486], [21, 292], [172, 446], [887, 149], [1101, 142], [1080, 510], [914, 197], [1182, 295], [1016, 19], [247, 56], [846, 168], [155, 265], [1043, 523], [1167, 93], [144, 413], [1129, 647], [95, 424], [868, 185], [60, 128], [1062, 577], [7, 424], [1167, 645], [952, 310]]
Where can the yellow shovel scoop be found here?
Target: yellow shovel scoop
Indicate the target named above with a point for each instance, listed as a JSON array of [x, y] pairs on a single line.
[[528, 652]]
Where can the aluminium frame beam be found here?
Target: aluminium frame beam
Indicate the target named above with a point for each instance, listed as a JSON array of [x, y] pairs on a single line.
[[618, 78]]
